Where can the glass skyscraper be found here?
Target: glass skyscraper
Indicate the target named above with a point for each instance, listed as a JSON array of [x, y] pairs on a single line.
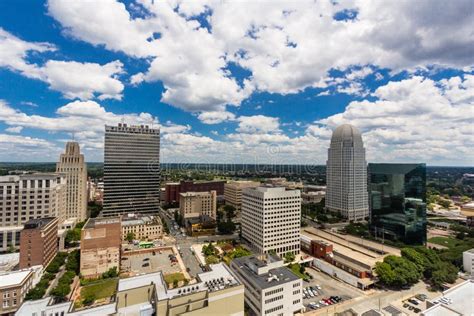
[[131, 170], [397, 198]]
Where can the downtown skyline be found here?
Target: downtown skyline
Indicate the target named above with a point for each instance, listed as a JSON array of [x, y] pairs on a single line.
[[226, 85]]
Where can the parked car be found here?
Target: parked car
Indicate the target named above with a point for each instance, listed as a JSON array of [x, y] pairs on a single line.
[[405, 305], [416, 310], [413, 301], [146, 264]]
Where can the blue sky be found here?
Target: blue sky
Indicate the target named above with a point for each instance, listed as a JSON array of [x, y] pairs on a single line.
[[255, 82]]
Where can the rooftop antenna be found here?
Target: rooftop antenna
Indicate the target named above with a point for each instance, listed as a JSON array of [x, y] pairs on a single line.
[[73, 136]]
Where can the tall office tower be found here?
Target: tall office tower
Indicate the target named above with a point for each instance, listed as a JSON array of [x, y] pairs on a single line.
[[26, 197], [72, 164], [271, 219], [346, 174], [131, 170], [398, 202]]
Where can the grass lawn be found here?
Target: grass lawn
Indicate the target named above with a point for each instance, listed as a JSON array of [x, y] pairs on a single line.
[[170, 278], [101, 289], [295, 268], [444, 241]]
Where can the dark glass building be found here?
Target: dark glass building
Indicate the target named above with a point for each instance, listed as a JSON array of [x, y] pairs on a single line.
[[397, 198], [131, 170]]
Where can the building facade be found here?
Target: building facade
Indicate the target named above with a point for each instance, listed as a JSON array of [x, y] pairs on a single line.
[[270, 287], [468, 262], [38, 242], [346, 174], [72, 164], [131, 170], [233, 192], [172, 190], [101, 240], [25, 197], [143, 227], [197, 204], [13, 287], [398, 202], [271, 219]]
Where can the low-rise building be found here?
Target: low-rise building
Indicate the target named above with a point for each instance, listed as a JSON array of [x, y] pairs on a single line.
[[349, 258], [233, 192], [202, 226], [312, 197], [270, 287], [173, 189], [143, 227], [455, 301], [38, 242], [468, 261], [13, 287], [197, 204], [101, 240], [216, 292]]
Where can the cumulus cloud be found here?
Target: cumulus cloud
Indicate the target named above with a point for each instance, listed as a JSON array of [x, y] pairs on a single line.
[[259, 124], [285, 46], [72, 79], [216, 117], [14, 129], [416, 119]]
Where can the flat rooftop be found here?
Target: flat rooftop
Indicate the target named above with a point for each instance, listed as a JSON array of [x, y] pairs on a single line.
[[93, 222], [38, 222], [13, 278], [220, 277], [275, 276], [458, 299], [344, 246]]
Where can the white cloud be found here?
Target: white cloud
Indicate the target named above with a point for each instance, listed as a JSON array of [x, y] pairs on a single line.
[[14, 129], [14, 52], [259, 124], [416, 119], [83, 80], [216, 117], [24, 148], [72, 79], [286, 46]]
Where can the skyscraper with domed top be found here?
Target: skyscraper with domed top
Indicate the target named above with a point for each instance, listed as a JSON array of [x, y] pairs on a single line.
[[346, 174]]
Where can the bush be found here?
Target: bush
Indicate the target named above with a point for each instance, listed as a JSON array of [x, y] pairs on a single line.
[[88, 299], [111, 273]]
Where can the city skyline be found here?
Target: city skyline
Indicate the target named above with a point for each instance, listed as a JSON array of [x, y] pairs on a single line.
[[225, 85]]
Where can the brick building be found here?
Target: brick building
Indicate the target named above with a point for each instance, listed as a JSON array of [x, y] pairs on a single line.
[[100, 246], [174, 189], [38, 242]]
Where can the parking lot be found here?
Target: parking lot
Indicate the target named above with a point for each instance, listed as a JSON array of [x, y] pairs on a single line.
[[323, 290], [150, 261], [414, 304]]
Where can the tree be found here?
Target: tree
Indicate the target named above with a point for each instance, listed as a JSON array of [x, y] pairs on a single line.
[[208, 250], [130, 236], [212, 259], [289, 257], [385, 273], [226, 228], [230, 211], [415, 257]]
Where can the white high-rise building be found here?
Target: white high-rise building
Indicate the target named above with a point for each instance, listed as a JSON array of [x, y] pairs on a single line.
[[346, 174], [271, 219], [72, 164], [29, 196]]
